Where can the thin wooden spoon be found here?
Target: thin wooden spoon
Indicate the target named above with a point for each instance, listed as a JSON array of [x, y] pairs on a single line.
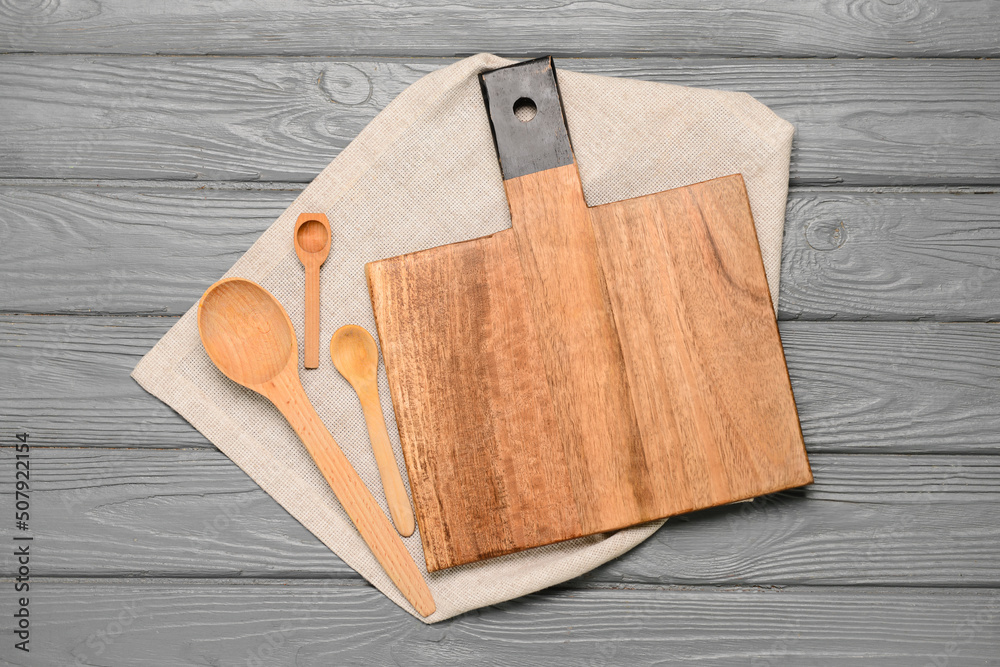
[[355, 355], [312, 245], [249, 337]]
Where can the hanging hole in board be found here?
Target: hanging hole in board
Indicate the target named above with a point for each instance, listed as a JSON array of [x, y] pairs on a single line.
[[525, 109]]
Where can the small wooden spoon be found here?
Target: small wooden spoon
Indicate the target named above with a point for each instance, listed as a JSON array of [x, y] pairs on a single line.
[[249, 337], [356, 357], [312, 245]]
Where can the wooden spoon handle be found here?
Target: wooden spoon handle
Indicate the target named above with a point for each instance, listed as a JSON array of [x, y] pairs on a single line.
[[353, 495], [312, 316], [392, 481]]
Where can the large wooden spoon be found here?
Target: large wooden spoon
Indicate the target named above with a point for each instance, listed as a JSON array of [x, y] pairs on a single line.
[[355, 355], [312, 245], [249, 337]]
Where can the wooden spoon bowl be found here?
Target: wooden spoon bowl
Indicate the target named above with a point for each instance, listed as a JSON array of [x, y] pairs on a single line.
[[245, 331], [355, 354]]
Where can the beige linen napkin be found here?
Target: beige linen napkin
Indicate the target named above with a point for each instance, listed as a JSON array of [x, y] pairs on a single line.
[[422, 174]]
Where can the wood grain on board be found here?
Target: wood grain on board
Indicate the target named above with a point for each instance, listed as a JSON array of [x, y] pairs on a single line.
[[585, 346], [493, 451]]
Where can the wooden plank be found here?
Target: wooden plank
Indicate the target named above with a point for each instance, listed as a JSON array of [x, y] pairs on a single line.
[[834, 533], [848, 254], [867, 519], [78, 391], [151, 623], [890, 256], [434, 27], [862, 122], [162, 512], [244, 119], [149, 249], [892, 387]]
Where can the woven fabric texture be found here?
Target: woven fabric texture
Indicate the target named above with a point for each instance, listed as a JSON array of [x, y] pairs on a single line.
[[422, 174]]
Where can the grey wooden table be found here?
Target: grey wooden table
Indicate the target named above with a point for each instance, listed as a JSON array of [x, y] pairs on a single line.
[[144, 146]]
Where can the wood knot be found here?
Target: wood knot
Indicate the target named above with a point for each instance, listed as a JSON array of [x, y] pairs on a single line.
[[346, 84], [826, 235], [25, 19], [28, 8], [888, 12]]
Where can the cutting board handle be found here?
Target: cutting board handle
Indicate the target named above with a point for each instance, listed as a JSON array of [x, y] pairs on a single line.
[[527, 143]]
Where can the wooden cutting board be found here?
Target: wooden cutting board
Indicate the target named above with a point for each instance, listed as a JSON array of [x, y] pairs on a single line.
[[590, 368]]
